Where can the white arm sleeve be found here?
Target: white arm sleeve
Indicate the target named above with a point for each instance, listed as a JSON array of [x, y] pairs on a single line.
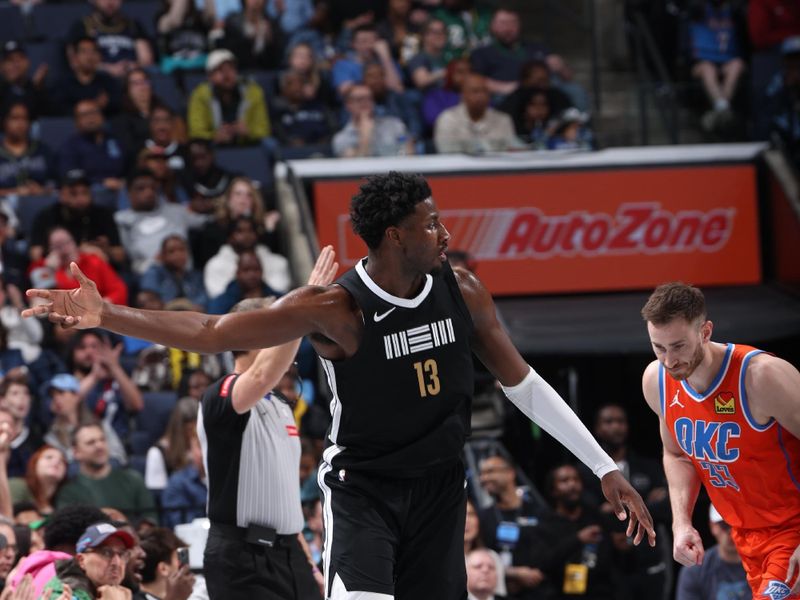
[[542, 404]]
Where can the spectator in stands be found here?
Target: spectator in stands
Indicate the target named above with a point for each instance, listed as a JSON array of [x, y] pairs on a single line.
[[716, 52], [147, 222], [390, 103], [86, 81], [167, 134], [248, 282], [535, 75], [92, 226], [481, 576], [105, 386], [783, 95], [578, 535], [293, 16], [220, 270], [254, 38], [473, 540], [771, 22], [13, 261], [27, 167], [154, 159], [227, 109], [297, 121], [172, 277], [183, 27], [401, 29], [45, 473], [644, 565], [473, 126], [100, 484], [122, 41], [193, 383], [437, 100], [532, 121], [186, 492], [17, 85], [721, 574], [54, 270], [427, 68], [171, 452], [569, 131], [21, 336], [15, 399], [467, 26], [521, 549], [316, 84], [203, 171], [11, 362], [502, 59], [93, 150], [64, 529], [163, 575], [8, 553], [367, 134], [367, 47], [98, 568]]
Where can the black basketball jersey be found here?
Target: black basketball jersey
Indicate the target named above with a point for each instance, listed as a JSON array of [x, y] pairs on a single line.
[[401, 403]]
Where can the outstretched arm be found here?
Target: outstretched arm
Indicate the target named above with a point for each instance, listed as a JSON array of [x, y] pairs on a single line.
[[298, 313], [682, 480], [542, 404], [271, 363]]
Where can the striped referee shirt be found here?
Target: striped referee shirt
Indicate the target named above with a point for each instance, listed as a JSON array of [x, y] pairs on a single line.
[[252, 460]]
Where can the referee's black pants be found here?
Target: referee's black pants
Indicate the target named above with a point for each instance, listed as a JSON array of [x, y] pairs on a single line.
[[236, 570]]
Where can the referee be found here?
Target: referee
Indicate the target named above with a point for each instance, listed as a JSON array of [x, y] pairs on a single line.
[[251, 450]]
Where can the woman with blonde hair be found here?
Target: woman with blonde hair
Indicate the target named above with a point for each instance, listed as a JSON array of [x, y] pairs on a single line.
[[172, 452]]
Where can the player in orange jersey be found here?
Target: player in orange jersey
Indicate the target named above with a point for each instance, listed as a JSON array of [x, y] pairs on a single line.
[[730, 419]]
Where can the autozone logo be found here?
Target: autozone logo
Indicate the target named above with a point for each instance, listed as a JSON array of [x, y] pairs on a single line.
[[636, 228]]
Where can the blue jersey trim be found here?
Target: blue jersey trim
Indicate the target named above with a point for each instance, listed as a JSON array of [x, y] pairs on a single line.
[[717, 379], [743, 394], [788, 461], [661, 389]]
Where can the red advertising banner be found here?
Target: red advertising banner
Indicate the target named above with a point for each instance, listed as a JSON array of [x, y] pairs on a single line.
[[584, 231]]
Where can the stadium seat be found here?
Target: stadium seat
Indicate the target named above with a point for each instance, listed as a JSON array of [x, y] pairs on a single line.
[[268, 80], [53, 21], [29, 207], [151, 421], [165, 87], [191, 79], [251, 161], [12, 24], [54, 131], [50, 53]]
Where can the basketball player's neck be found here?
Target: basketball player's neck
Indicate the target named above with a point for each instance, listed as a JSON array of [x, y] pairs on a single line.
[[705, 373], [388, 272]]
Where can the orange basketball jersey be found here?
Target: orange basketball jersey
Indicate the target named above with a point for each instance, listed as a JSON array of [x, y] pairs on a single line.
[[751, 471]]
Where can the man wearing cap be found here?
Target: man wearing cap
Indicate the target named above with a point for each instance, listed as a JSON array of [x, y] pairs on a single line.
[[227, 109], [721, 574], [87, 222], [15, 84], [98, 568]]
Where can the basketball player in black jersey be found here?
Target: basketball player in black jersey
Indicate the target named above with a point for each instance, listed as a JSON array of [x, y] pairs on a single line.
[[395, 336]]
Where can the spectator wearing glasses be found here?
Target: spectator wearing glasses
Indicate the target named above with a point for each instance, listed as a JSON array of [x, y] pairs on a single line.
[[721, 574], [97, 571]]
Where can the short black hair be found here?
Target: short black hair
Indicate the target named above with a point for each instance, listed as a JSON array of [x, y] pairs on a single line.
[[85, 38], [234, 224], [138, 174], [68, 523], [383, 201]]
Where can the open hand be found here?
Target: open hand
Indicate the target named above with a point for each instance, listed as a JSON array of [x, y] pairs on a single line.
[[325, 269], [78, 308], [621, 495]]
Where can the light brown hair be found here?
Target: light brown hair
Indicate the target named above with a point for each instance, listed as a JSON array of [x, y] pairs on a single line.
[[674, 300]]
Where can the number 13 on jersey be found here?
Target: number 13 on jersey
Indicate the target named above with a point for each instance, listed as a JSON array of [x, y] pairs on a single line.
[[427, 377]]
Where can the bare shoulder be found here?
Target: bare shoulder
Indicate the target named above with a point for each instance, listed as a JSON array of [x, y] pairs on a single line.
[[476, 296], [650, 386], [767, 373]]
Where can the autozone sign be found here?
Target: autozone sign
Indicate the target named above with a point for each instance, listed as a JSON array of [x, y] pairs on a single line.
[[585, 231]]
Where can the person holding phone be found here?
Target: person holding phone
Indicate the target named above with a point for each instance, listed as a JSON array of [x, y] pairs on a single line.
[[166, 574]]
